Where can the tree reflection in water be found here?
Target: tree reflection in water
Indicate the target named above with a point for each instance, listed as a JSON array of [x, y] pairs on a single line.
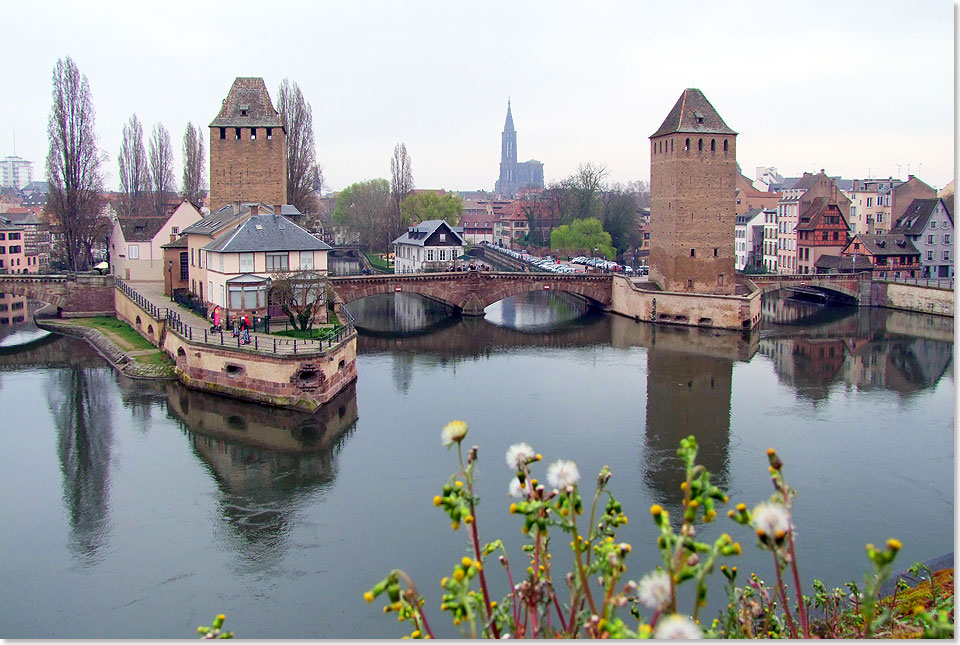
[[79, 403]]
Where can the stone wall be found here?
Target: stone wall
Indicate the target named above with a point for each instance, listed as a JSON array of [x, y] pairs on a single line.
[[75, 295], [910, 297], [696, 309]]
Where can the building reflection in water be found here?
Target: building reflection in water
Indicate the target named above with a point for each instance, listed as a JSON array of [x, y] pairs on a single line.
[[79, 402], [687, 394], [265, 461], [866, 349]]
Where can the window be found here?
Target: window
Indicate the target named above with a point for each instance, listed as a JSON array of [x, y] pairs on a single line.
[[192, 263], [929, 239], [946, 238], [429, 255], [277, 261], [223, 133], [724, 145], [700, 145], [879, 217], [946, 255], [221, 301], [443, 255], [713, 145], [933, 223], [686, 146], [930, 255], [869, 202], [16, 236], [306, 260], [133, 252], [269, 133], [443, 237], [693, 253], [174, 230], [716, 253], [237, 133], [184, 267], [246, 262], [253, 134]]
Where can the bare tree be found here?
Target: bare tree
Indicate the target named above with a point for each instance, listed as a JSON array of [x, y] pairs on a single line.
[[161, 168], [134, 169], [194, 167], [301, 295], [297, 117], [73, 166], [401, 184]]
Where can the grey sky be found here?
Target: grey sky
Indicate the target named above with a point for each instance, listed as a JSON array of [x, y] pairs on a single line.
[[851, 87]]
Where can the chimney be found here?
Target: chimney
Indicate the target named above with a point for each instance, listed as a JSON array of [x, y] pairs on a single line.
[[173, 237], [237, 205], [278, 209], [254, 210]]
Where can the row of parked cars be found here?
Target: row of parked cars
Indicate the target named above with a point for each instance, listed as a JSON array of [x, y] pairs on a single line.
[[607, 265], [549, 264]]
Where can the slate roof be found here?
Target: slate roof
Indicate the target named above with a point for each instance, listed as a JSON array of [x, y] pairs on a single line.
[[810, 218], [842, 263], [267, 232], [141, 229], [216, 220], [417, 235], [918, 213], [693, 113], [886, 244], [179, 243], [23, 218], [249, 95], [744, 219]]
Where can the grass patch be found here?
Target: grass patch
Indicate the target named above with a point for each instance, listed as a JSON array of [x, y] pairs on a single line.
[[377, 263], [157, 358], [317, 333], [120, 332]]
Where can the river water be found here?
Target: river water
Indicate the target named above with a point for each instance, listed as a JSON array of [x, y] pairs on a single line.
[[135, 509]]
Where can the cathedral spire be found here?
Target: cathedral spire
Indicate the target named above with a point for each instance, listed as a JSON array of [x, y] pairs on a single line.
[[508, 125]]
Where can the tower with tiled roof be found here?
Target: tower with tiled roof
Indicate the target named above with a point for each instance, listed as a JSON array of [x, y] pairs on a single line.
[[693, 170], [248, 158]]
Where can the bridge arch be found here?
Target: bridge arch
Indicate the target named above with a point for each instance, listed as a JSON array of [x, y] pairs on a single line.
[[34, 290], [518, 288]]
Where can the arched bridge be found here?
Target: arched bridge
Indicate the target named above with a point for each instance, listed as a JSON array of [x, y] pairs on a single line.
[[470, 292], [71, 293], [851, 286]]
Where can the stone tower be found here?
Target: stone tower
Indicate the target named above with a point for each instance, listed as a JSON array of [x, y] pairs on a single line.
[[248, 148], [693, 170]]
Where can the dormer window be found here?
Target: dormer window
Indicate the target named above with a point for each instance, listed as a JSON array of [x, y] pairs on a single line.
[[243, 108]]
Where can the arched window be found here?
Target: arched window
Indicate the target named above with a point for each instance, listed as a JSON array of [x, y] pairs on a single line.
[[713, 145], [686, 146], [700, 145], [724, 145], [671, 145]]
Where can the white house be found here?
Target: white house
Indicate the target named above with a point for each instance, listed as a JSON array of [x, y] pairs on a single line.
[[135, 242], [432, 245]]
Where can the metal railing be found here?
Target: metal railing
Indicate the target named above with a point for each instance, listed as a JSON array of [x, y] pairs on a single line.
[[939, 283], [258, 343], [158, 313]]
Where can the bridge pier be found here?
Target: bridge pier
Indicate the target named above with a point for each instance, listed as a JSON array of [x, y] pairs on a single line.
[[473, 306]]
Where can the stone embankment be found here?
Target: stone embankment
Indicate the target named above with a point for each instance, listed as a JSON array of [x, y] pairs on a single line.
[[120, 360]]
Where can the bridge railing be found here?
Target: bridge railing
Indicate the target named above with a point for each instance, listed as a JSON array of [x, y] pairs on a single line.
[[938, 283]]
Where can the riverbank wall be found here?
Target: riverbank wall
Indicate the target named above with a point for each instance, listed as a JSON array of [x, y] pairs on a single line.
[[910, 297], [301, 375], [692, 309]]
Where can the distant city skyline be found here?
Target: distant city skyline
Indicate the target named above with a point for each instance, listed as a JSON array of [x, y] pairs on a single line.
[[859, 88]]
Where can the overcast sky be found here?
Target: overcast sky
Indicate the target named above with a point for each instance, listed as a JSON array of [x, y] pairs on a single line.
[[856, 88]]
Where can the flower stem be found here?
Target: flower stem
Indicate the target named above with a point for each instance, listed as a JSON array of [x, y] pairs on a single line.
[[801, 607], [475, 538], [782, 590]]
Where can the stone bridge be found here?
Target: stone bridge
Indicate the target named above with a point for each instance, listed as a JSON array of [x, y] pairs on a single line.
[[470, 292], [74, 294], [853, 286]]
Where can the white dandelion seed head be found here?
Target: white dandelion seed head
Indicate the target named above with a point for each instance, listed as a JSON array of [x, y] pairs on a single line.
[[519, 454], [562, 474], [654, 590], [517, 489], [676, 626], [771, 518], [454, 431]]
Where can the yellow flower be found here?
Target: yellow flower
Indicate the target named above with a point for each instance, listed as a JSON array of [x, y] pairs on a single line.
[[737, 550], [493, 604], [397, 606], [458, 575], [741, 507], [415, 633], [437, 500], [458, 484], [466, 561], [455, 525], [444, 580], [771, 452], [513, 508], [894, 544], [656, 509], [368, 596], [468, 519]]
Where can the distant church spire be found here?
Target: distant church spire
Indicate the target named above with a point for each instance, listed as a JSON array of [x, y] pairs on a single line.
[[508, 125], [513, 175]]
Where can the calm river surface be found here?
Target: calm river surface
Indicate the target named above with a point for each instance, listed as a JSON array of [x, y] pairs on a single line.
[[133, 509]]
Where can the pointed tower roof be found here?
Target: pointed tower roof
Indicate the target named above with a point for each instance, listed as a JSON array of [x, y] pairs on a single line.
[[693, 113], [508, 125], [248, 104]]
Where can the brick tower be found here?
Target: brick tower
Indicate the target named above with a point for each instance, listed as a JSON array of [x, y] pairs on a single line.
[[248, 148], [693, 169]]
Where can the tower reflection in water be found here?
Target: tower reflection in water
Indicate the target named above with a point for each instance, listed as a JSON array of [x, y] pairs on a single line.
[[266, 461]]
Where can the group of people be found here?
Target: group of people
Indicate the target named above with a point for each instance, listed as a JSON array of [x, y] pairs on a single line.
[[241, 325]]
